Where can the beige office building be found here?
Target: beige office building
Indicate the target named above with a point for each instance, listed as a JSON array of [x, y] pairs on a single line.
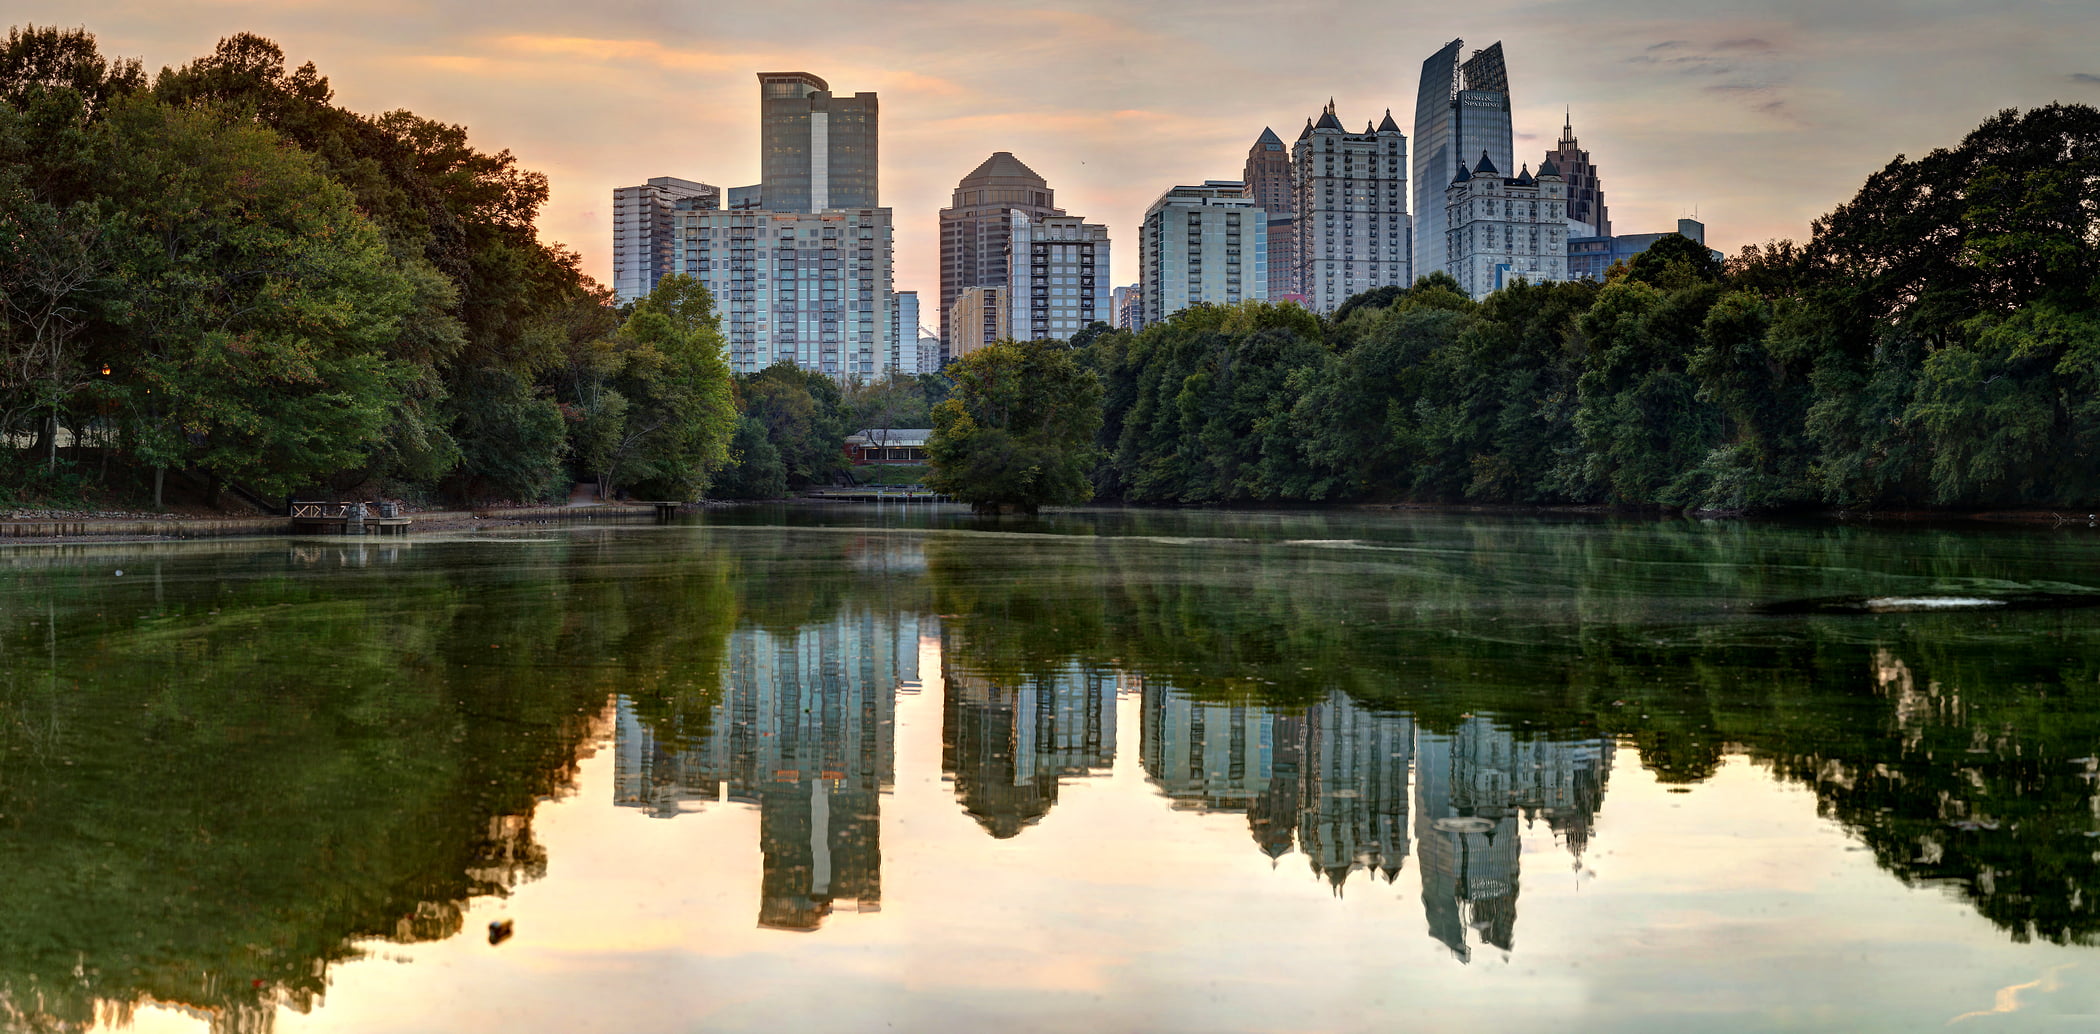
[[978, 318]]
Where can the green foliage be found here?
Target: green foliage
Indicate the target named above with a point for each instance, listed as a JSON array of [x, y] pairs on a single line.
[[651, 404], [805, 416], [755, 469], [1018, 433]]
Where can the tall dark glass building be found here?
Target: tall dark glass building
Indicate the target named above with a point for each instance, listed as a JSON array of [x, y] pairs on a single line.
[[816, 151], [1461, 112]]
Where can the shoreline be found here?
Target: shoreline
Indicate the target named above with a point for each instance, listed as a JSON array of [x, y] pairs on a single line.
[[182, 527]]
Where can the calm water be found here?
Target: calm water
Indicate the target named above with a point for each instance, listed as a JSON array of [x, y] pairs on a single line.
[[846, 770]]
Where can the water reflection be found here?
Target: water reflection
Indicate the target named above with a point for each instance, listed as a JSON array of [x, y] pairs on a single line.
[[805, 729], [232, 769]]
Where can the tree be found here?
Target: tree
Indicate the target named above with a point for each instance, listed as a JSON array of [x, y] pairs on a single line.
[[805, 416], [652, 402], [259, 302], [1018, 433]]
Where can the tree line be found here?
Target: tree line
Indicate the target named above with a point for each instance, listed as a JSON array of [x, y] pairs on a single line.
[[220, 275], [1935, 343]]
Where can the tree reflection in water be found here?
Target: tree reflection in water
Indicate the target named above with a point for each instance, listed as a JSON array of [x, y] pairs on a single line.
[[221, 771]]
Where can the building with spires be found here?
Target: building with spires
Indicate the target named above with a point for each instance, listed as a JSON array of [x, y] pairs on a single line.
[[805, 276], [1461, 110], [1504, 228], [977, 229], [1476, 788], [1206, 244], [1057, 276], [1587, 216], [1352, 228], [645, 231], [1269, 183]]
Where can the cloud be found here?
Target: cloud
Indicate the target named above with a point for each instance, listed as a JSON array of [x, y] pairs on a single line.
[[1750, 43], [2084, 77], [1669, 44]]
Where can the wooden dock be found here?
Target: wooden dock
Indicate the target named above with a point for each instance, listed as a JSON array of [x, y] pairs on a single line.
[[348, 519]]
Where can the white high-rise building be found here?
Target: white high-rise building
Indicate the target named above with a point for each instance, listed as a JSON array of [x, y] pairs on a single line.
[[806, 278], [809, 288], [643, 228], [904, 334], [1057, 276], [1506, 228], [1205, 244], [1353, 228]]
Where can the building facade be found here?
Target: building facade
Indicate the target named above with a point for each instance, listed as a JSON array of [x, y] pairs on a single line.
[[1203, 244], [645, 231], [1353, 229], [1461, 111], [904, 334], [1589, 258], [1587, 216], [978, 318], [816, 151], [810, 288], [1128, 306], [1269, 183], [1505, 228], [977, 227], [1057, 276]]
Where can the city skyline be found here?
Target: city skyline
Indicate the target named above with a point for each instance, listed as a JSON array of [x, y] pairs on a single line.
[[1114, 104]]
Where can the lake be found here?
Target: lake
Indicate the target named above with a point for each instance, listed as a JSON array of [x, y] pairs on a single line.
[[881, 768]]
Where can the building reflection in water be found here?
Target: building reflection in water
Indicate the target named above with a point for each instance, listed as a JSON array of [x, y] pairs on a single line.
[[1332, 780], [803, 728], [1007, 743]]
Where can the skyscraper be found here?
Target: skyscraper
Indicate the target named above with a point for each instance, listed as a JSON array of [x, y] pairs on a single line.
[[1057, 276], [1268, 178], [816, 151], [1585, 190], [1461, 111], [977, 229], [809, 288], [801, 266], [1203, 244], [644, 249], [1351, 194], [904, 334]]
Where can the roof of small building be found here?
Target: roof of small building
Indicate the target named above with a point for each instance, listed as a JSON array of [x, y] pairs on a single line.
[[903, 437]]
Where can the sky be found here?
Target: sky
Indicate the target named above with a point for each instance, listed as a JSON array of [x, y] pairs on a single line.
[[1755, 116]]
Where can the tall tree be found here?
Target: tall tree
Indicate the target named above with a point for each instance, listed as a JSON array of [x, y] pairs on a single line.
[[1018, 433]]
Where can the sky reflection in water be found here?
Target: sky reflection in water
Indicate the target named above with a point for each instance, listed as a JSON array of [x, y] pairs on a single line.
[[1163, 772]]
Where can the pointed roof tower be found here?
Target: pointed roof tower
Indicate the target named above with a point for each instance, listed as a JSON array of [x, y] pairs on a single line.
[[1307, 131], [1327, 119], [1486, 167], [1463, 175], [1549, 167], [1524, 178], [1567, 129], [1269, 140], [1388, 126]]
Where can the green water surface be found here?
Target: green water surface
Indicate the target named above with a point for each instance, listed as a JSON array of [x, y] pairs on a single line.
[[867, 769]]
